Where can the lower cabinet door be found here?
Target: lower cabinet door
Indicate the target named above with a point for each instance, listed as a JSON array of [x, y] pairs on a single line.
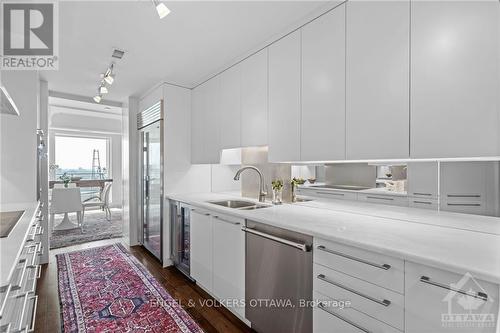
[[439, 301], [201, 248], [229, 263], [335, 316]]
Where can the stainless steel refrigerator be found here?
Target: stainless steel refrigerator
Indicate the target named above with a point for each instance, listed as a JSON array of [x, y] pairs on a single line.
[[150, 126]]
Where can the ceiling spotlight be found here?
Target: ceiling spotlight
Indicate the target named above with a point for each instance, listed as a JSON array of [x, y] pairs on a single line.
[[109, 77], [161, 8], [103, 89], [97, 98]]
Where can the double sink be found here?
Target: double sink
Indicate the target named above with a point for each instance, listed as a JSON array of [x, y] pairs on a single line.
[[246, 205], [239, 204]]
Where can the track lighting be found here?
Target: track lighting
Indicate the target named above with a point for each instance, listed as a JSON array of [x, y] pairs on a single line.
[[161, 9], [108, 77]]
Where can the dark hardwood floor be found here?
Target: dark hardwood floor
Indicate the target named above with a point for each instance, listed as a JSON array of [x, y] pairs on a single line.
[[190, 296]]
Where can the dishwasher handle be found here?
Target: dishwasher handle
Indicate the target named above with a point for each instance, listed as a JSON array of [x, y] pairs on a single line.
[[300, 246]]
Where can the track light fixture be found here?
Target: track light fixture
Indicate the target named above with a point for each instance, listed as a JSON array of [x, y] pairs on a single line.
[[108, 77], [161, 8]]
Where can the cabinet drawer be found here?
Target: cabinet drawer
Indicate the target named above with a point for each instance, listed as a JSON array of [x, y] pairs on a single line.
[[384, 199], [377, 302], [467, 204], [373, 267], [424, 203], [437, 301], [20, 313], [328, 318], [339, 195]]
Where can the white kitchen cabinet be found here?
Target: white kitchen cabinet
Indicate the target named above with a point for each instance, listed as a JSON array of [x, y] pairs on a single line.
[[254, 100], [205, 119], [431, 308], [284, 99], [229, 262], [323, 88], [455, 79], [201, 248], [377, 81], [470, 187], [229, 105], [423, 180], [331, 316]]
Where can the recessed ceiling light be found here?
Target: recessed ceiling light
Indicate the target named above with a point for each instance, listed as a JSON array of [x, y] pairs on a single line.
[[161, 9], [97, 98]]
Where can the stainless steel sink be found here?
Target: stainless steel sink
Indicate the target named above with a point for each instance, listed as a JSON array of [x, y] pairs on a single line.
[[238, 204]]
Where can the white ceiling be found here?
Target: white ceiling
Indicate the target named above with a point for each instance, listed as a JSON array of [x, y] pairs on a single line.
[[196, 40]]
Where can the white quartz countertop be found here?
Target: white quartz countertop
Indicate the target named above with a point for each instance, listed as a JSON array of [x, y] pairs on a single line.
[[11, 246], [440, 239]]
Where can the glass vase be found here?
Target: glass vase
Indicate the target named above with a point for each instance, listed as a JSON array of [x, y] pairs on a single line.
[[277, 197]]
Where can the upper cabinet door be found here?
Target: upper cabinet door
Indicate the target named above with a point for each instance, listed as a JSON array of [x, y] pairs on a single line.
[[455, 79], [230, 108], [199, 96], [377, 90], [205, 143], [254, 100], [323, 87], [284, 99]]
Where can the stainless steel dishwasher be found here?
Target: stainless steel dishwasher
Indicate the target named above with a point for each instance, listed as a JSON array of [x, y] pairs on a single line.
[[278, 279]]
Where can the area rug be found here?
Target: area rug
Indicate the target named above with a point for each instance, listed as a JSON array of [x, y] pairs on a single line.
[[95, 227], [106, 289]]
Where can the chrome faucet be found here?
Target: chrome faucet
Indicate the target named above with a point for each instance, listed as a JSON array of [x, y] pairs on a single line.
[[262, 193]]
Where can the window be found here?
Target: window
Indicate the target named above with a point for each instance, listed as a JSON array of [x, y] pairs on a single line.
[[81, 157]]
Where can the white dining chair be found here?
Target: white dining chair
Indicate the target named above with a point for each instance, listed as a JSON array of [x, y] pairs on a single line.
[[102, 201], [64, 201]]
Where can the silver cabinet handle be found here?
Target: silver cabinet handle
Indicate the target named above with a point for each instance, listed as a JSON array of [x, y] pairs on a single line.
[[480, 295], [422, 202], [23, 312], [465, 204], [299, 246], [381, 266], [331, 193], [35, 305], [361, 328], [380, 198], [426, 194], [5, 289], [463, 195], [21, 277], [383, 302], [224, 220], [30, 327]]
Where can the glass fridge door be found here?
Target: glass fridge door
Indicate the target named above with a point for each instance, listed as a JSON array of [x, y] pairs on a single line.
[[152, 188]]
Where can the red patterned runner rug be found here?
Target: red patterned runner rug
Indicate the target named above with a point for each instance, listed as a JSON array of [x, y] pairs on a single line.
[[106, 289]]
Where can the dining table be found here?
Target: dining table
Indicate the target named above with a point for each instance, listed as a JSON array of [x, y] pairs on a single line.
[[84, 182]]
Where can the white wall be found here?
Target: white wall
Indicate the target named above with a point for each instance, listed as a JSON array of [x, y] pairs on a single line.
[[18, 138], [66, 121]]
